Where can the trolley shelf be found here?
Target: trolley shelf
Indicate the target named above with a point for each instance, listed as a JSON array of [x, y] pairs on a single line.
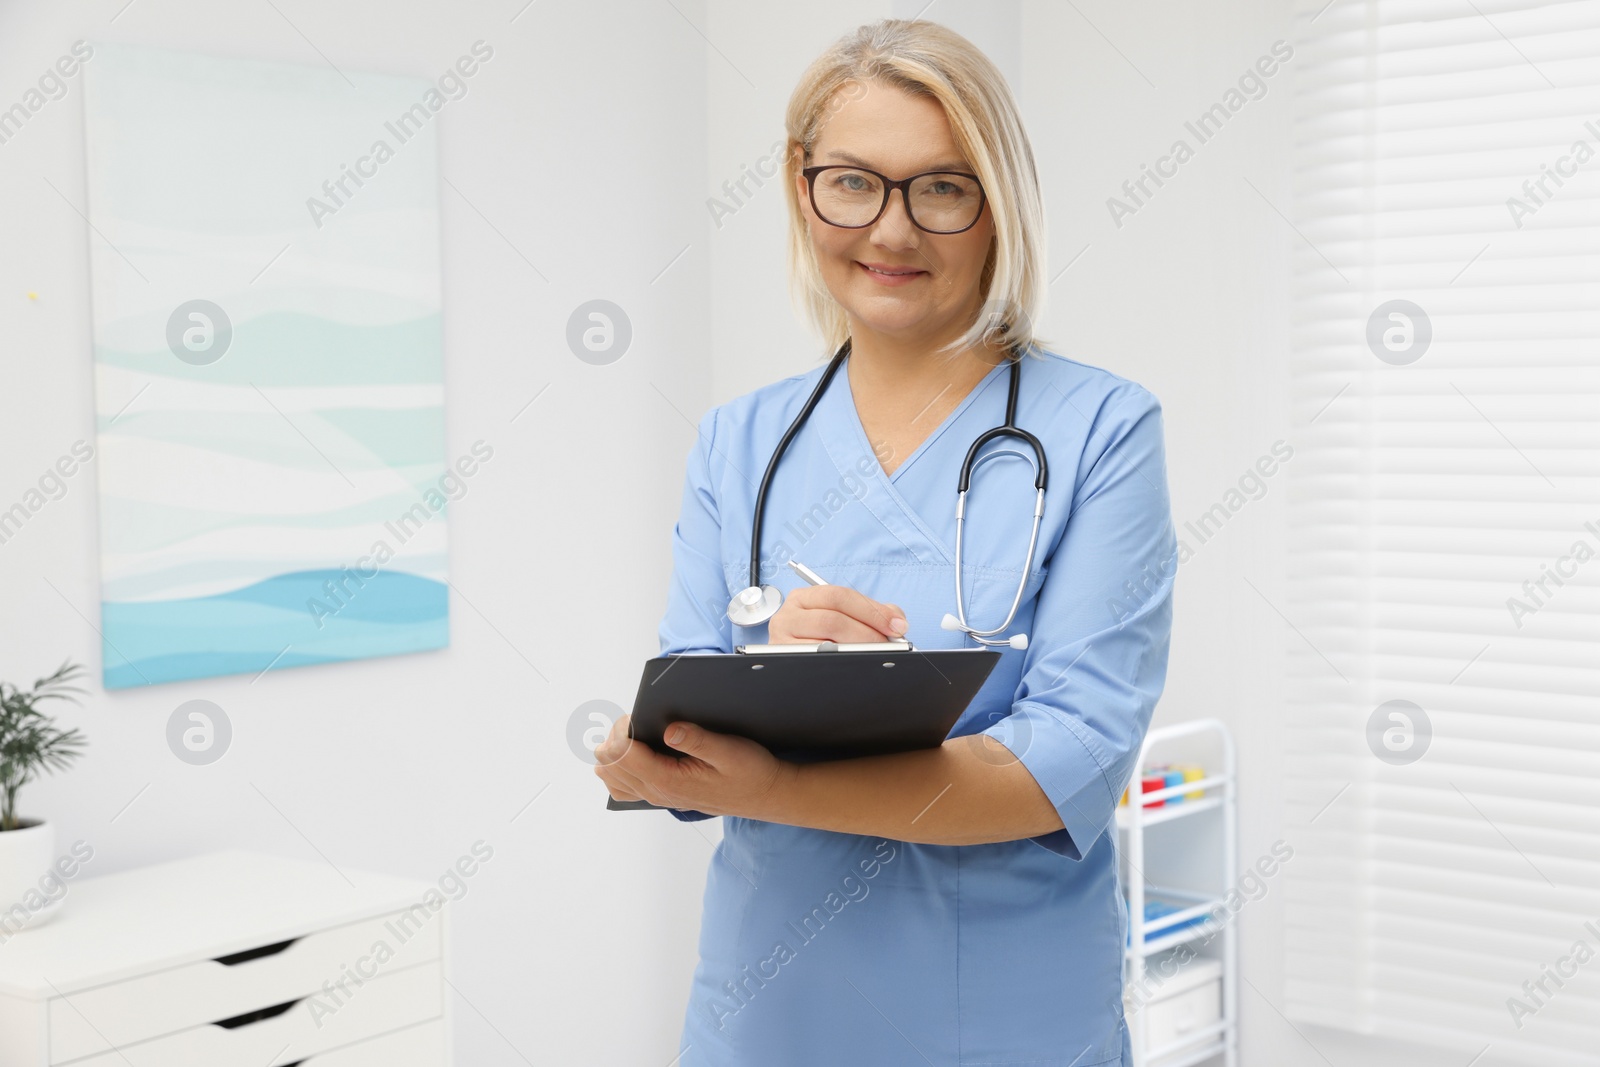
[[1155, 816], [1159, 945], [1214, 872], [1193, 1056]]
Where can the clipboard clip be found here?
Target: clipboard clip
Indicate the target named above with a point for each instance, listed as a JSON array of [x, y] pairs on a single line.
[[826, 646]]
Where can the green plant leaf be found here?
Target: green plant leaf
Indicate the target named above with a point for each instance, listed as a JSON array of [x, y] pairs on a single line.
[[30, 742]]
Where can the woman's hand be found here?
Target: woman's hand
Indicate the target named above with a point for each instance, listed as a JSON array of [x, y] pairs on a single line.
[[720, 774], [834, 613]]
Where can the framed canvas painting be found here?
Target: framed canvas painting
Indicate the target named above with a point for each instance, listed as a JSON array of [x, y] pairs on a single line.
[[264, 260]]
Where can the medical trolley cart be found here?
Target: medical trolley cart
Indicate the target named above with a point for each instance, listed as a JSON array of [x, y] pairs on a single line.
[[1177, 851]]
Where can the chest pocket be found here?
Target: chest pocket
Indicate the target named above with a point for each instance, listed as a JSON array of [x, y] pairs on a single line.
[[989, 593]]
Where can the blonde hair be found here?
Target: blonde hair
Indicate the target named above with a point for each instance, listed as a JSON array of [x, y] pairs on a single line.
[[927, 59]]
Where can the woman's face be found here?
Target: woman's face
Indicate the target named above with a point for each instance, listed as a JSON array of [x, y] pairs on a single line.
[[884, 128]]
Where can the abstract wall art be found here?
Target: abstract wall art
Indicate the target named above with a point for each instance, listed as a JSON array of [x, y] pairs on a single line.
[[268, 367]]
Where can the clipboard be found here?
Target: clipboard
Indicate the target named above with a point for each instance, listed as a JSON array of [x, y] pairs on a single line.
[[819, 704]]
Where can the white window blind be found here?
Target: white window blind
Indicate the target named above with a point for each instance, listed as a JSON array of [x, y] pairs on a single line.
[[1445, 527]]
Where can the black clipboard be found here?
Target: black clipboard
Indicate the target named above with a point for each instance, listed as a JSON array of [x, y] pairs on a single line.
[[810, 706]]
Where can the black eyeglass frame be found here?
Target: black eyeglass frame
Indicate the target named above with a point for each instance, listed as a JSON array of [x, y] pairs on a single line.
[[889, 186]]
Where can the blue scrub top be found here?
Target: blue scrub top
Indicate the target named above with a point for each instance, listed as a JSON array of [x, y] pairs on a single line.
[[822, 948]]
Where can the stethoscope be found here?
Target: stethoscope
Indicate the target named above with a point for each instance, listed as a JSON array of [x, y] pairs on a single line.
[[757, 603]]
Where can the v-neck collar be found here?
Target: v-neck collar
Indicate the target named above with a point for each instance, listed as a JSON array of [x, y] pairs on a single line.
[[845, 441], [854, 417]]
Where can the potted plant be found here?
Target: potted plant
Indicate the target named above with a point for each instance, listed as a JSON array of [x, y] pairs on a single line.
[[30, 744]]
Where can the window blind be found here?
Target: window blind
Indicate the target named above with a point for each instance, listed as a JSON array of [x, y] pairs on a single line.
[[1443, 589]]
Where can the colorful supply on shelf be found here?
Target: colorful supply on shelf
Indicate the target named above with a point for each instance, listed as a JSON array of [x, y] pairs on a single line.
[[1150, 783], [1165, 776], [1160, 909]]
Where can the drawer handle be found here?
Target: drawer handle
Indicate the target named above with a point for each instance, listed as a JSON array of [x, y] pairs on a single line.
[[255, 953], [256, 1016]]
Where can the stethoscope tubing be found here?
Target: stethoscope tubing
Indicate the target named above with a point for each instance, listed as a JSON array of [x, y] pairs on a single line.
[[1008, 429], [1027, 563], [777, 454]]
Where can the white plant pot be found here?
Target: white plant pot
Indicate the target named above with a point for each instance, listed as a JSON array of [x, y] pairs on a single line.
[[26, 854]]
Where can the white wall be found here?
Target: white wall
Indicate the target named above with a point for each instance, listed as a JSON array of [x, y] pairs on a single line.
[[584, 142], [1189, 296]]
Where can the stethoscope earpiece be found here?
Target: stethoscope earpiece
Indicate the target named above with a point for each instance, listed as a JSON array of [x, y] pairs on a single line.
[[950, 622]]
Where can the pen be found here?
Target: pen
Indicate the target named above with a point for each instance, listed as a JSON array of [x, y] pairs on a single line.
[[807, 573], [813, 578]]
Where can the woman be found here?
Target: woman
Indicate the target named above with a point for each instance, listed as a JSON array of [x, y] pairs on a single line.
[[958, 905]]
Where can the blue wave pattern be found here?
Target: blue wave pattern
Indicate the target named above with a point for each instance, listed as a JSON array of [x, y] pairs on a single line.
[[272, 623], [222, 514]]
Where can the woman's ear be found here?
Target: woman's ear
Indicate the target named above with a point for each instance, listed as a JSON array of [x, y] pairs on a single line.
[[803, 193]]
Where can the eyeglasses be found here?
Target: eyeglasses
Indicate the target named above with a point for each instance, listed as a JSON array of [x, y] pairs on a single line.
[[855, 197]]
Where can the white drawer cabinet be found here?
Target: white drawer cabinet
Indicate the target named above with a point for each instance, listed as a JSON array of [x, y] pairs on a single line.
[[231, 958], [1183, 1011], [416, 1046]]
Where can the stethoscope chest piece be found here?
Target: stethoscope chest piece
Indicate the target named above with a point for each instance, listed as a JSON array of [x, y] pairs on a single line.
[[754, 605]]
